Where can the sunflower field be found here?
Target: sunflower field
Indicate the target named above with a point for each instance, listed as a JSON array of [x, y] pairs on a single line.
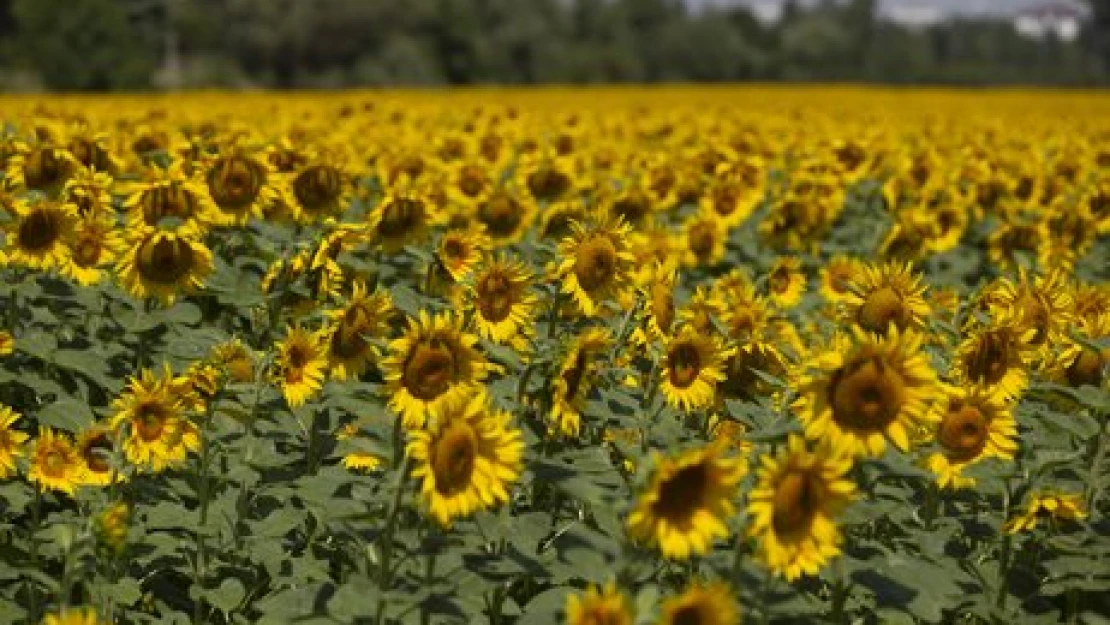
[[689, 356]]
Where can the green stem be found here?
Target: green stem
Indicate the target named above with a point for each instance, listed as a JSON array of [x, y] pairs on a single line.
[[204, 489], [841, 590], [385, 573], [1094, 483], [1007, 549], [36, 524]]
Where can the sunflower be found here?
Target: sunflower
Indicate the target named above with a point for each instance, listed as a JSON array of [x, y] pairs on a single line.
[[793, 507], [358, 460], [432, 362], [168, 194], [41, 167], [506, 213], [94, 244], [604, 606], [596, 264], [692, 367], [703, 240], [402, 217], [657, 290], [163, 265], [365, 318], [54, 463], [89, 191], [1077, 363], [699, 604], [1014, 238], [503, 304], [857, 394], [300, 365], [467, 459], [836, 277], [95, 449], [786, 282], [459, 250], [470, 182], [111, 526], [1040, 306], [996, 356], [705, 307], [688, 502], [240, 185], [571, 388], [158, 434], [735, 191], [7, 342], [971, 424], [74, 616], [11, 441], [1053, 506], [883, 295], [236, 358], [319, 188], [38, 236]]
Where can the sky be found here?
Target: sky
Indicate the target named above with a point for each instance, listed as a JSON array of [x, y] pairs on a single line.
[[906, 10]]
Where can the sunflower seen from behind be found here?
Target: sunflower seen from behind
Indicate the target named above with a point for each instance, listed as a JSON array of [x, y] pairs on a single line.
[[466, 458], [433, 361], [687, 503], [864, 390], [793, 507]]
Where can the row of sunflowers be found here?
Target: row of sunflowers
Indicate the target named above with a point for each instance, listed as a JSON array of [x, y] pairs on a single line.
[[600, 356]]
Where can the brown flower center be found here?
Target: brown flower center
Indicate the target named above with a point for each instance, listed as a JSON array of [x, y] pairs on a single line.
[[44, 169], [472, 180], [55, 462], [547, 183], [881, 308], [595, 263], [317, 187], [453, 458], [167, 201], [779, 280], [97, 453], [40, 230], [150, 421], [430, 369], [989, 360], [963, 433], [501, 214], [685, 364], [632, 208], [1087, 368], [235, 182], [694, 614], [347, 341], [797, 499], [741, 380], [683, 494], [1034, 314], [496, 295], [866, 394], [725, 199], [572, 375], [701, 238], [164, 260], [400, 217]]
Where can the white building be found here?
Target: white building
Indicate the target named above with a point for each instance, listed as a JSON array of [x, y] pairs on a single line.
[[1053, 18]]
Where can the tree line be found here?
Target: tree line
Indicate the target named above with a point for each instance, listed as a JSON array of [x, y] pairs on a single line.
[[139, 44]]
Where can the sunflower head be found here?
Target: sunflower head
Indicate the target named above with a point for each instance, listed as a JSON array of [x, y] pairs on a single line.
[[692, 368], [300, 365], [163, 264], [236, 183], [884, 295], [599, 606], [434, 360], [96, 448], [40, 234], [54, 463], [688, 502], [596, 263], [467, 458], [699, 604], [794, 504]]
